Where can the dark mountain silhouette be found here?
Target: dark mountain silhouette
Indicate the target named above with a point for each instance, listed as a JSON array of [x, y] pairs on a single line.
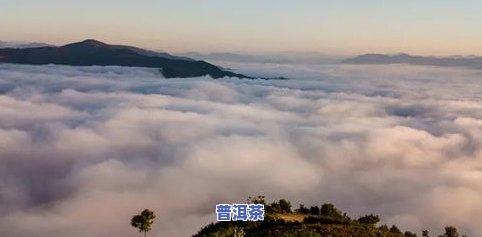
[[470, 62], [93, 52]]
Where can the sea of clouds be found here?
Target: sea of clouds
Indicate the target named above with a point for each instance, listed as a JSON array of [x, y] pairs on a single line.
[[83, 149]]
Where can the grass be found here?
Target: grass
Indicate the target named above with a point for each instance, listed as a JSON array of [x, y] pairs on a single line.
[[291, 217]]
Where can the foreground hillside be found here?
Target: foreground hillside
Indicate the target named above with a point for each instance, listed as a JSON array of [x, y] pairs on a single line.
[[315, 221]]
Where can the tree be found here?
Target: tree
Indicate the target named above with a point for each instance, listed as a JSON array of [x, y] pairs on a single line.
[[274, 207], [303, 210], [425, 233], [369, 219], [315, 210], [394, 229], [257, 200], [330, 210], [144, 221], [285, 206], [384, 228], [409, 234], [450, 231]]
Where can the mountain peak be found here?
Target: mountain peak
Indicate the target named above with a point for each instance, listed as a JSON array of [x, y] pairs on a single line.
[[87, 43], [93, 42]]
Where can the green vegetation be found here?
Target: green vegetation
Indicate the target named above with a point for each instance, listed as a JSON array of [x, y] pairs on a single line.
[[143, 221], [315, 221]]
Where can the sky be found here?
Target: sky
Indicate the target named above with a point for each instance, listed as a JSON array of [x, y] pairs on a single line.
[[430, 27]]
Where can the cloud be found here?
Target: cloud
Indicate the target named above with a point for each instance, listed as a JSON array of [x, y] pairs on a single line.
[[84, 148]]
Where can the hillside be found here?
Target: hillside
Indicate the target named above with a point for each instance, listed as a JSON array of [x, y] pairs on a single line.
[[93, 52], [315, 221]]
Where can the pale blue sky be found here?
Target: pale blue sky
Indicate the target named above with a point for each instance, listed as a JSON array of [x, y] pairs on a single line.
[[437, 27]]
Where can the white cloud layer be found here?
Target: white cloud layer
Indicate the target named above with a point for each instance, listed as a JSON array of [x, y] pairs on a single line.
[[82, 149]]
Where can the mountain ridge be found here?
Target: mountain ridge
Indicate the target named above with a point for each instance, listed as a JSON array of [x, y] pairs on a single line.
[[286, 57], [451, 61], [21, 45], [92, 52]]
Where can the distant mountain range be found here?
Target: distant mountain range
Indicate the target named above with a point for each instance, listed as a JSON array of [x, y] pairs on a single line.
[[92, 52], [270, 58], [455, 61], [21, 45]]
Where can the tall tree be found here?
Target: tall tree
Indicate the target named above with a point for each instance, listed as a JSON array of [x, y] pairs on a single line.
[[143, 221]]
